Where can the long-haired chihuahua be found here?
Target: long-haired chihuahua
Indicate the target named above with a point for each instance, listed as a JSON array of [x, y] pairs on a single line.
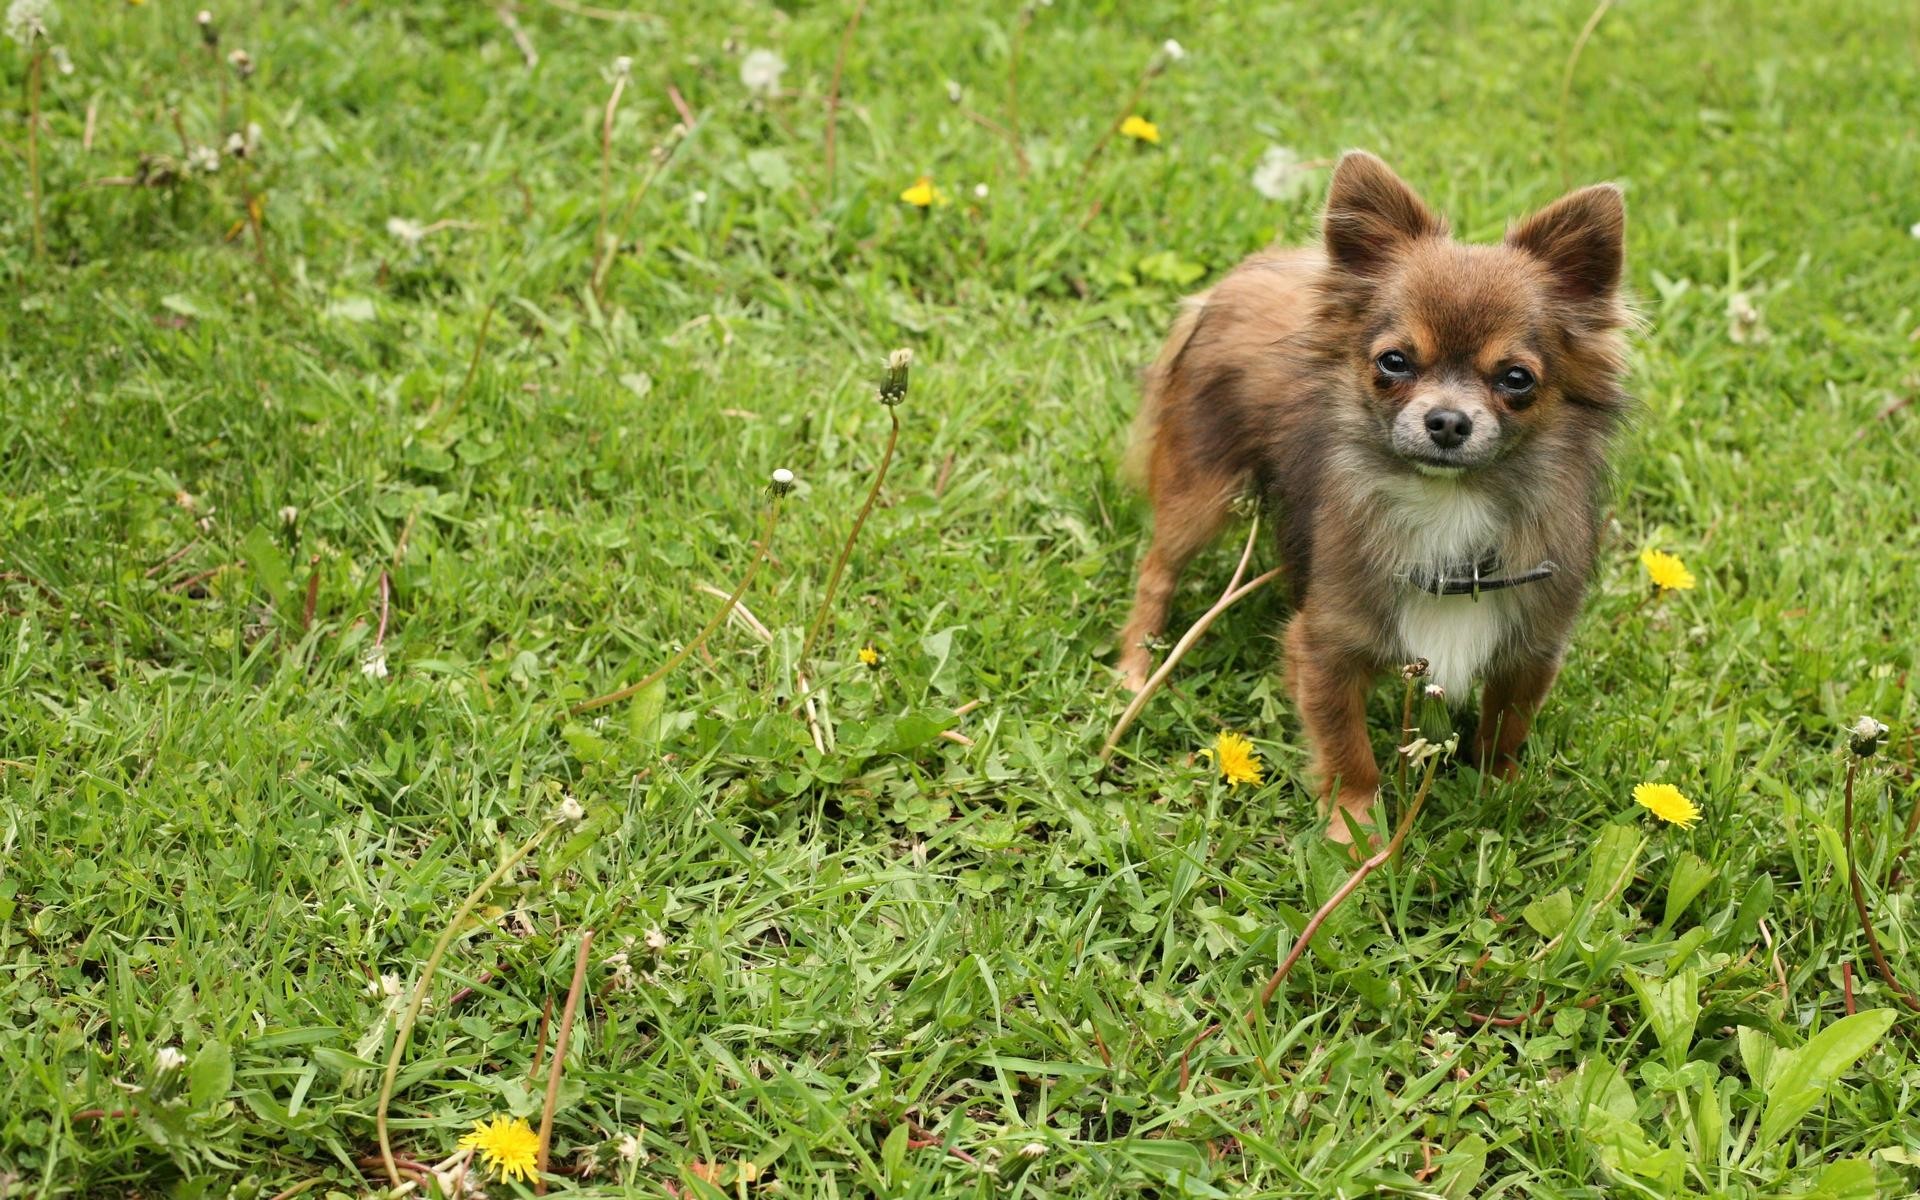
[[1427, 422]]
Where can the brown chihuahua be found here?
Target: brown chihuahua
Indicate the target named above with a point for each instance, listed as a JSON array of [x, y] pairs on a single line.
[[1427, 422]]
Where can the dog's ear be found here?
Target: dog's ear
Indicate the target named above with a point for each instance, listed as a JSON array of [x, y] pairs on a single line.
[[1579, 237], [1372, 214]]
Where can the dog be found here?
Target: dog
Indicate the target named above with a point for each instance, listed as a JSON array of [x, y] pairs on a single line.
[[1428, 425]]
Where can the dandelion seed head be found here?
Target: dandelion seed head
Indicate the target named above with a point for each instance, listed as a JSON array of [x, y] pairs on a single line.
[[622, 66], [406, 230], [571, 810], [760, 72], [27, 20], [1865, 736], [1173, 50], [782, 481], [1280, 174], [980, 191]]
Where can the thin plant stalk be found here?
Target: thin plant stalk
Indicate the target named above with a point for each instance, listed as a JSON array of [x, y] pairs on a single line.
[[662, 155], [661, 672], [473, 364], [1235, 592], [1013, 88], [1406, 732], [1153, 67], [1860, 898], [412, 1014], [1359, 876], [853, 534], [35, 69], [833, 89], [559, 1061], [606, 168], [1566, 84]]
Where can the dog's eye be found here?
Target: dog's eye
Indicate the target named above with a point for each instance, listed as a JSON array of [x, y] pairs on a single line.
[[1394, 365], [1516, 381]]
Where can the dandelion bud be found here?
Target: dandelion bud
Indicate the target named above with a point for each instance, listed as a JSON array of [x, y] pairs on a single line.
[[782, 482], [168, 1058], [571, 811], [893, 385], [1172, 50], [208, 33], [954, 94], [1033, 1150], [1865, 736], [289, 515], [62, 61], [236, 145], [656, 940], [1435, 692], [622, 66], [1414, 670], [242, 64]]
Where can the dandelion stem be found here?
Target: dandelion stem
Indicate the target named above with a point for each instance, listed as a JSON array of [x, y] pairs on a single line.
[[846, 549], [1236, 591], [662, 155], [833, 89], [473, 364], [1860, 896], [559, 1060], [1126, 110], [660, 672], [1566, 85], [606, 172], [35, 68], [412, 1014], [1013, 88], [1406, 735], [1346, 889]]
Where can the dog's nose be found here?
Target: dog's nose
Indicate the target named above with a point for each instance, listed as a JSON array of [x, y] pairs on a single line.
[[1448, 427]]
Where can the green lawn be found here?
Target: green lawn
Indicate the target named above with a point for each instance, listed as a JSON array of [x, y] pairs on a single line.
[[222, 826]]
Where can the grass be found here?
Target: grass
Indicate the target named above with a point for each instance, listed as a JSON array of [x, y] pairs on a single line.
[[221, 828]]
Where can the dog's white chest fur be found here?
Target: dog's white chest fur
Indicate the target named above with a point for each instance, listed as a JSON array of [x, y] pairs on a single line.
[[1435, 523]]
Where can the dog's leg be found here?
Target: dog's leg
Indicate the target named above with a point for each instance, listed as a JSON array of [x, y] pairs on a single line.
[[1330, 690], [1189, 510], [1510, 697]]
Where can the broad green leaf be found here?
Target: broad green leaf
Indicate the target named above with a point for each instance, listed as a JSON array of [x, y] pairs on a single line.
[[209, 1075], [1671, 1006], [1550, 915], [1461, 1168], [1614, 854], [1848, 1179], [1759, 1055], [268, 562], [1709, 1124], [1690, 875], [1753, 907], [1812, 1069], [643, 714]]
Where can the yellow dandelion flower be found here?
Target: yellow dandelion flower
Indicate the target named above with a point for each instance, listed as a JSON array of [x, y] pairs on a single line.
[[870, 657], [509, 1147], [1140, 129], [1664, 800], [923, 194], [1236, 759], [1666, 571]]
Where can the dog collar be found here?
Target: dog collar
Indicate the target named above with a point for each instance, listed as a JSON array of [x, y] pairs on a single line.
[[1476, 576]]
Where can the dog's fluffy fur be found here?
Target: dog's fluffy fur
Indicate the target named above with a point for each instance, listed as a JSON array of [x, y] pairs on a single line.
[[1272, 382]]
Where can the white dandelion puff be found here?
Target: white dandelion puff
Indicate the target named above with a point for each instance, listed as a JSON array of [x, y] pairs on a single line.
[[168, 1058], [760, 72], [27, 20], [1280, 174]]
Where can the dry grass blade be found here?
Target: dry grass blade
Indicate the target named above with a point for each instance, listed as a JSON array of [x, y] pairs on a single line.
[[1233, 595], [559, 1059], [1860, 898]]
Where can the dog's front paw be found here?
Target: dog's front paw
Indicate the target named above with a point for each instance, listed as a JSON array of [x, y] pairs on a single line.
[[1135, 666]]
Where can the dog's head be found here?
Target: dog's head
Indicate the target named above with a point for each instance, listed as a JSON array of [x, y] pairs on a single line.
[[1458, 354]]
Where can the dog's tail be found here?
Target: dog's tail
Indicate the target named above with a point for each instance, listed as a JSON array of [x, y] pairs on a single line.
[[1156, 380]]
